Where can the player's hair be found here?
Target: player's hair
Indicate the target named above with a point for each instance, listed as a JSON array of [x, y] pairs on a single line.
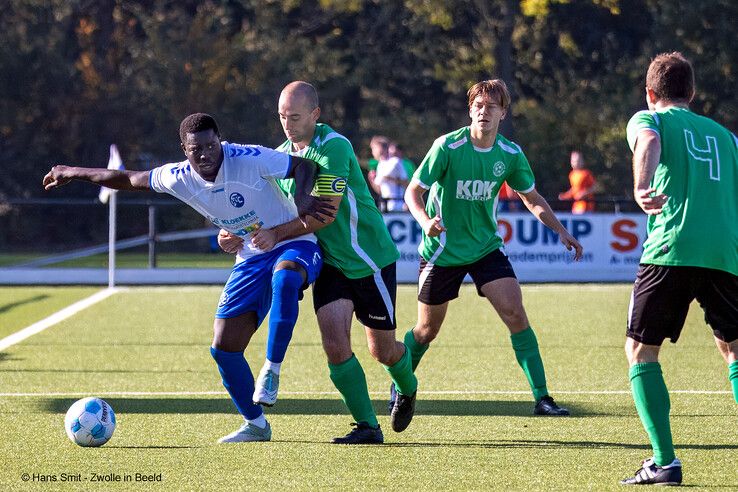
[[197, 122], [379, 140], [305, 90], [671, 78], [495, 88]]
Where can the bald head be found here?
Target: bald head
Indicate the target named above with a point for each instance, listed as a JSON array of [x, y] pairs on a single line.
[[301, 92], [299, 112]]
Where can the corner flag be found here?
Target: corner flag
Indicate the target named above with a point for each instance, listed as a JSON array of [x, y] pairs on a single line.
[[114, 162]]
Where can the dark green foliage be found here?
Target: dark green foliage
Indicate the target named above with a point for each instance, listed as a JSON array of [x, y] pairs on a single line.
[[76, 76]]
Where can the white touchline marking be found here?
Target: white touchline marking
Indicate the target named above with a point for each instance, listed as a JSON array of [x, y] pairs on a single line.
[[321, 393], [55, 318]]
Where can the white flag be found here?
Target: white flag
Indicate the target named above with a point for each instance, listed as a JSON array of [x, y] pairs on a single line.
[[114, 162]]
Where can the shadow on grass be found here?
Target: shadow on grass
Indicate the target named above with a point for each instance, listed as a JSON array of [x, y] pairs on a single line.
[[553, 444], [30, 300], [310, 406], [530, 444], [5, 357]]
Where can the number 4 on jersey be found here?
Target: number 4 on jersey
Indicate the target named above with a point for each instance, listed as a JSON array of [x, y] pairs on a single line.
[[709, 155]]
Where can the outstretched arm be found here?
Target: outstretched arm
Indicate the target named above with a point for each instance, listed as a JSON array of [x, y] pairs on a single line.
[[111, 178], [539, 207]]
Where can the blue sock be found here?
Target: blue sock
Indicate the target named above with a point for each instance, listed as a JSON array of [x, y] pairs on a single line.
[[238, 381], [283, 315]]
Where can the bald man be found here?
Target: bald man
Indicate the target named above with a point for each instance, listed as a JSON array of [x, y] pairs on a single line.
[[358, 275]]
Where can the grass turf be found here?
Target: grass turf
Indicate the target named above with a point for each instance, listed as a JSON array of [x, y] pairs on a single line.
[[472, 431]]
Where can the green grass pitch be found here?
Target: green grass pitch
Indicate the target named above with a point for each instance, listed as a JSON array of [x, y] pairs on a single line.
[[145, 350]]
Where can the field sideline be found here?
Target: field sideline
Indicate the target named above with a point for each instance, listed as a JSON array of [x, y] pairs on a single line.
[[145, 350]]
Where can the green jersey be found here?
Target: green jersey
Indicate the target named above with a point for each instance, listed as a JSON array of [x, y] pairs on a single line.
[[357, 242], [698, 171], [464, 182]]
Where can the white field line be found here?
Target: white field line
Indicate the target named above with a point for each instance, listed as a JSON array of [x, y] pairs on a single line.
[[55, 318], [324, 393]]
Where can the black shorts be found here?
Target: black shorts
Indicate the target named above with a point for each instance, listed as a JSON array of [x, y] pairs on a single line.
[[373, 296], [662, 295], [439, 284]]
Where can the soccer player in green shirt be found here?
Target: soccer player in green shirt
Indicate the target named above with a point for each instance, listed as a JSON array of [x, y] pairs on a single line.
[[685, 171], [464, 171], [358, 274]]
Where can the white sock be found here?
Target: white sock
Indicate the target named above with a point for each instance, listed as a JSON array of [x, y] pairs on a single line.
[[260, 421], [272, 366]]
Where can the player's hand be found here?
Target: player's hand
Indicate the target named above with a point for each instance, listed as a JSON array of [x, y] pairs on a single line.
[[650, 203], [230, 243], [320, 208], [570, 243], [264, 239], [433, 227], [56, 177]]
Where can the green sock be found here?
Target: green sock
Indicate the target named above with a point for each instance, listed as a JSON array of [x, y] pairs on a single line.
[[652, 402], [416, 349], [525, 345], [402, 374], [349, 379], [733, 376]]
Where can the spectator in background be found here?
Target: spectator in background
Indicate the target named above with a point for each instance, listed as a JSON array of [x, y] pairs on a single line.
[[582, 184], [379, 146], [395, 150], [387, 175], [392, 179]]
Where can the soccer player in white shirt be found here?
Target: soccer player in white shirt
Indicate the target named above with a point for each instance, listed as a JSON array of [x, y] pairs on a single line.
[[234, 187]]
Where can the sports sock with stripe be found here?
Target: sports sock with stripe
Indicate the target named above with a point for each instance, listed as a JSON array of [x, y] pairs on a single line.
[[402, 374], [525, 345], [350, 381], [652, 403]]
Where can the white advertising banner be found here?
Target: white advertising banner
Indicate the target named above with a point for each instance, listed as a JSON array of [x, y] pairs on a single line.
[[612, 247]]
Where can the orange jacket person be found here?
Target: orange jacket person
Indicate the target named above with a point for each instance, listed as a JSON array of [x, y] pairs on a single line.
[[582, 183]]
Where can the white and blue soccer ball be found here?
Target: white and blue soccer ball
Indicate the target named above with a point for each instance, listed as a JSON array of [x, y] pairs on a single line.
[[90, 422]]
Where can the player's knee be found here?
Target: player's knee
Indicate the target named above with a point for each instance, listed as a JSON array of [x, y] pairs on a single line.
[[383, 355], [287, 278], [225, 345], [336, 351], [638, 353], [514, 317], [220, 354], [425, 333]]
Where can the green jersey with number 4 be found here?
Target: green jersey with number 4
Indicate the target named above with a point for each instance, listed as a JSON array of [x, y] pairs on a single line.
[[357, 242], [464, 182], [698, 171]]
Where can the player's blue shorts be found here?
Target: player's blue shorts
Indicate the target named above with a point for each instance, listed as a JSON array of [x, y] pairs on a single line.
[[249, 288]]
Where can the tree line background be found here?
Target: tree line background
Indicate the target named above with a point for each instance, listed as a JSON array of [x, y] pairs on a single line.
[[78, 75]]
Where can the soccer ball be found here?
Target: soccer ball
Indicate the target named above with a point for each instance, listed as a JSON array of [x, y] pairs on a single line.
[[90, 422]]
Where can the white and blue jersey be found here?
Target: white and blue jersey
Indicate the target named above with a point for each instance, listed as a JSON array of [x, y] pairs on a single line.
[[244, 196]]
